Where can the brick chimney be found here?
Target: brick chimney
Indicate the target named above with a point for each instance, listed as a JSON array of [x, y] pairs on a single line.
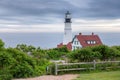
[[92, 33], [80, 33]]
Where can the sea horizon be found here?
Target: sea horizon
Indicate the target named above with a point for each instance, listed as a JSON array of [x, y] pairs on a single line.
[[46, 40]]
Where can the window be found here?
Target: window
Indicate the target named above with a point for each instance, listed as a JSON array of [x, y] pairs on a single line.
[[91, 42], [88, 42], [94, 42], [68, 20], [76, 42]]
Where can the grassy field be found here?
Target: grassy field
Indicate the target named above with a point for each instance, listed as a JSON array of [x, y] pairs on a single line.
[[112, 75]]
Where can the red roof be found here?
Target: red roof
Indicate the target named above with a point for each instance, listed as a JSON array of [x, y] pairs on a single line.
[[84, 38], [83, 41], [69, 46]]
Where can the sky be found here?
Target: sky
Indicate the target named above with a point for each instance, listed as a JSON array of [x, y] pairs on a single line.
[[48, 15]]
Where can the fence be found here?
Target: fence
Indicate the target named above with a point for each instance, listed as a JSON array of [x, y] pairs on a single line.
[[85, 66]]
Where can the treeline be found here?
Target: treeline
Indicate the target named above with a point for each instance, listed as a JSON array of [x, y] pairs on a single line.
[[28, 61], [101, 52], [98, 53], [49, 54]]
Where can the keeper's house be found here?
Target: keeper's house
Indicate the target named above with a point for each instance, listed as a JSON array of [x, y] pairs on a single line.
[[81, 41]]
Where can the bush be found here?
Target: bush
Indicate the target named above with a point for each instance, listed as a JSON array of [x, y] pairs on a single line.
[[14, 62], [1, 44], [84, 55], [5, 74], [6, 77], [23, 70], [101, 52]]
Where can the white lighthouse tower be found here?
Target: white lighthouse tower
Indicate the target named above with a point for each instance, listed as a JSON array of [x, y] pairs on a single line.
[[67, 29]]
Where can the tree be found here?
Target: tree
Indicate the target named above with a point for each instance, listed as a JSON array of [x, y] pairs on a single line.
[[103, 50], [17, 64], [6, 63], [6, 60], [24, 65], [84, 54], [114, 53], [62, 49], [22, 47], [1, 44]]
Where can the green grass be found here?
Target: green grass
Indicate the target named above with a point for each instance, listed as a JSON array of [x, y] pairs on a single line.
[[112, 75]]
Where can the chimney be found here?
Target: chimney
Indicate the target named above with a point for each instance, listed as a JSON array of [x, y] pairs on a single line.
[[92, 33], [80, 33]]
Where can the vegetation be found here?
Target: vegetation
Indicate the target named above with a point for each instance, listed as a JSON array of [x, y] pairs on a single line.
[[57, 53], [102, 52], [29, 61], [15, 63], [112, 75]]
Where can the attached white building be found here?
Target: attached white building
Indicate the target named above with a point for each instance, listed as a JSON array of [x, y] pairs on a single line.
[[80, 41], [76, 44]]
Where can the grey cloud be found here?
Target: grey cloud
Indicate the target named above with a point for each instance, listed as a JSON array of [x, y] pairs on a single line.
[[28, 10], [96, 9], [36, 7], [40, 11], [104, 9]]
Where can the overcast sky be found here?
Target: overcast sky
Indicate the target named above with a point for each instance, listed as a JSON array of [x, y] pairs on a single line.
[[48, 15]]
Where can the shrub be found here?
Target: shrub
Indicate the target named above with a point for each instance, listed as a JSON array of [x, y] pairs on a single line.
[[22, 70], [5, 74]]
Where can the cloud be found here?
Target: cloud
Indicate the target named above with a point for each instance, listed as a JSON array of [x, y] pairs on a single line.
[[42, 15], [79, 3], [85, 9], [33, 28], [80, 25], [33, 11], [34, 8], [103, 9]]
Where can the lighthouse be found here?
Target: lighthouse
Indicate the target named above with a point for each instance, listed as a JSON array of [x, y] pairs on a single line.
[[67, 29]]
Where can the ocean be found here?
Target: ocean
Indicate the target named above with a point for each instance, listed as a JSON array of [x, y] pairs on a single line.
[[50, 40]]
